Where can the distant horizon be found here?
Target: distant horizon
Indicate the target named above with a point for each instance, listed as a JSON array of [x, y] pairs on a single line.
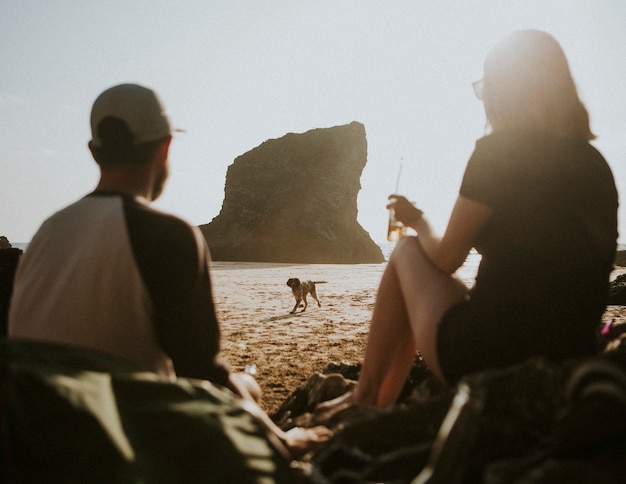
[[382, 244]]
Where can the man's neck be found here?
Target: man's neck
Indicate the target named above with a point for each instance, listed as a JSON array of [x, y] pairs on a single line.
[[123, 181]]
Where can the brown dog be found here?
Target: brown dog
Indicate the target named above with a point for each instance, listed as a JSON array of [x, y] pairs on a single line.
[[300, 289]]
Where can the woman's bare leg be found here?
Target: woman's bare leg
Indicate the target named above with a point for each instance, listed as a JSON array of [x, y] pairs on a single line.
[[412, 299], [389, 343]]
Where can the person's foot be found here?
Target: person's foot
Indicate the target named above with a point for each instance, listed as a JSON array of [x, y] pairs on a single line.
[[300, 440]]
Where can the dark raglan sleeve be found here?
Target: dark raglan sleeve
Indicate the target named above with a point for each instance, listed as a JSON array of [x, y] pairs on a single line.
[[174, 260]]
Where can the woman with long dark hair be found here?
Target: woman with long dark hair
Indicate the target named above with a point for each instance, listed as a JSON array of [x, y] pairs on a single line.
[[539, 203]]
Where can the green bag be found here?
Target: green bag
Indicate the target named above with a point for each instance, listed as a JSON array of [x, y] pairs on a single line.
[[71, 415]]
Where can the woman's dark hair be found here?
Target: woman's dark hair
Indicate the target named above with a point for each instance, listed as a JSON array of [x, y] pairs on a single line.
[[528, 85]]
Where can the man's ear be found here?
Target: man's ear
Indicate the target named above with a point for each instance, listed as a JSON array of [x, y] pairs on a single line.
[[93, 149], [163, 149]]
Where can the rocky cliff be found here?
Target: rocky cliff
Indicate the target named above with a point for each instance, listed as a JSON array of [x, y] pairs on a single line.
[[294, 199]]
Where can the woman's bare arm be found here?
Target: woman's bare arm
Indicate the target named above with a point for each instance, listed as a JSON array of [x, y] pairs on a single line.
[[450, 251]]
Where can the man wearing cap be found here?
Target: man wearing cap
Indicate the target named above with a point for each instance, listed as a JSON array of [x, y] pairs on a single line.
[[111, 274]]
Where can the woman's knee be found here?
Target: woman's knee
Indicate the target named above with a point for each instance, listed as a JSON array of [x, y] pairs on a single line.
[[407, 243], [409, 249], [414, 268]]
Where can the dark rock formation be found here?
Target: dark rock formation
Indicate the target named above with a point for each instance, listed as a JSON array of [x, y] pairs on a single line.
[[294, 199], [617, 291], [4, 243], [620, 258], [543, 421], [9, 258], [549, 423]]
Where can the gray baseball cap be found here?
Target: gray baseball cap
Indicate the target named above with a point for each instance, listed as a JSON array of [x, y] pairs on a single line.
[[137, 106]]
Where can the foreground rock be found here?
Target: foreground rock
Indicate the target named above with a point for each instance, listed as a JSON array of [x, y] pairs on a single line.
[[617, 291], [533, 423], [294, 199], [4, 243], [9, 258]]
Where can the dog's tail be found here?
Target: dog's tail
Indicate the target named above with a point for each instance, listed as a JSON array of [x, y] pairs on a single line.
[[320, 282]]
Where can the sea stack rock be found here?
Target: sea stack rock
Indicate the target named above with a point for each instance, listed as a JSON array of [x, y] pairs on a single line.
[[294, 199]]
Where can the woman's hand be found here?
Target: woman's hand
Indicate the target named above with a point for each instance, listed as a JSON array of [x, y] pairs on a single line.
[[405, 212], [448, 252]]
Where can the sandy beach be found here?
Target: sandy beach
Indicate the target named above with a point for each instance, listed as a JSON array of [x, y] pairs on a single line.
[[254, 303], [258, 332]]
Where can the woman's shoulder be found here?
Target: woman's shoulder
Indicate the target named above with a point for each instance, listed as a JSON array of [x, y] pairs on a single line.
[[506, 137], [533, 143], [530, 136], [501, 147]]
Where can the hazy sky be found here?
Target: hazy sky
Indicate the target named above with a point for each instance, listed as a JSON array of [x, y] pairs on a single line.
[[236, 73]]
